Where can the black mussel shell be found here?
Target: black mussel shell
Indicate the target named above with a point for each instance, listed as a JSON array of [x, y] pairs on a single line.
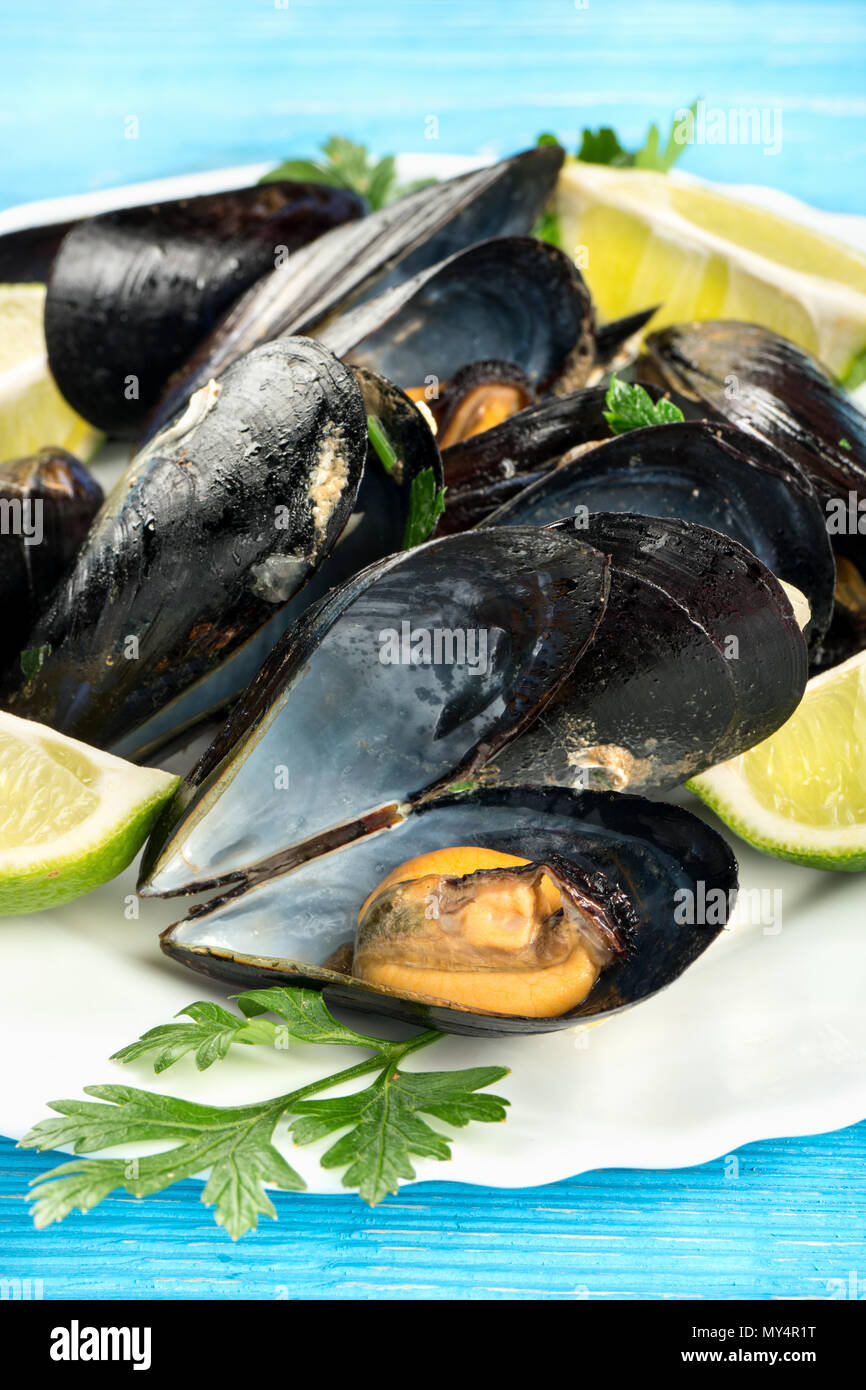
[[713, 474], [387, 247], [488, 469], [132, 293], [512, 297], [410, 675], [48, 502], [678, 876], [698, 657], [214, 527], [378, 526], [768, 386]]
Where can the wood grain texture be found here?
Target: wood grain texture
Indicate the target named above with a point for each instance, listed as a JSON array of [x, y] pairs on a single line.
[[785, 1220]]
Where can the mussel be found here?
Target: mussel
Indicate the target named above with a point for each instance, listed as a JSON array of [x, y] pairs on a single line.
[[511, 295], [641, 872], [486, 469], [47, 503], [712, 474], [132, 293], [216, 524], [755, 378], [477, 398], [382, 727], [699, 656], [770, 387], [385, 248], [383, 521]]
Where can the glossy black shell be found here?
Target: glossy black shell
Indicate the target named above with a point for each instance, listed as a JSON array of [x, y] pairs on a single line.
[[132, 293], [212, 530]]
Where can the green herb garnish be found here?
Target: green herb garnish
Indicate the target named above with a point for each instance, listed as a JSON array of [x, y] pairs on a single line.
[[348, 165], [33, 659], [856, 372], [631, 407], [426, 505], [235, 1143], [381, 443], [603, 147], [845, 444]]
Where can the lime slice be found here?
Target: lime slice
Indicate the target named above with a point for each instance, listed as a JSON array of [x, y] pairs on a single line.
[[33, 414], [644, 238], [801, 794], [71, 817]]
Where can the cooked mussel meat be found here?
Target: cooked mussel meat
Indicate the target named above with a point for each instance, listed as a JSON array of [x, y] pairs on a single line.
[[132, 293], [477, 398], [479, 929], [47, 503]]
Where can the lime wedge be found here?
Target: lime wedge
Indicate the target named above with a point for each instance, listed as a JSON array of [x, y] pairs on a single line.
[[71, 817], [33, 414], [801, 794], [644, 238]]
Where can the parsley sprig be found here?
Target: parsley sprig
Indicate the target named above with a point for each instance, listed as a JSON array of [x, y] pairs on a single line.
[[631, 407], [348, 165], [383, 1122], [603, 146]]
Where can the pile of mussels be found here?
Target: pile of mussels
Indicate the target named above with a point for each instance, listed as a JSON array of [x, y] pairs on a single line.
[[426, 791]]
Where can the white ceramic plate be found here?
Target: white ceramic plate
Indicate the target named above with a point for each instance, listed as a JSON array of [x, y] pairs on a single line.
[[764, 1036]]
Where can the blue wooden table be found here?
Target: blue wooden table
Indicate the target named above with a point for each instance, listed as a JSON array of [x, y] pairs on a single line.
[[217, 82]]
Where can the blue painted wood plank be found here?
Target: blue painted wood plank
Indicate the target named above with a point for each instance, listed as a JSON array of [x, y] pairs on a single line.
[[785, 1221]]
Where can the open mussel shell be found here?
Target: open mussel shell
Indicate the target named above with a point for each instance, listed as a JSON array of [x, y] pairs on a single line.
[[769, 386], [132, 293], [49, 501], [511, 297], [410, 675], [666, 862], [214, 527], [699, 656], [388, 246], [712, 474]]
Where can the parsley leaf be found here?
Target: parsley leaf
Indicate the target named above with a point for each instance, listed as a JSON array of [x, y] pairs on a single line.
[[426, 505], [349, 165], [385, 1127], [603, 147], [631, 407], [856, 372], [235, 1143], [33, 659]]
